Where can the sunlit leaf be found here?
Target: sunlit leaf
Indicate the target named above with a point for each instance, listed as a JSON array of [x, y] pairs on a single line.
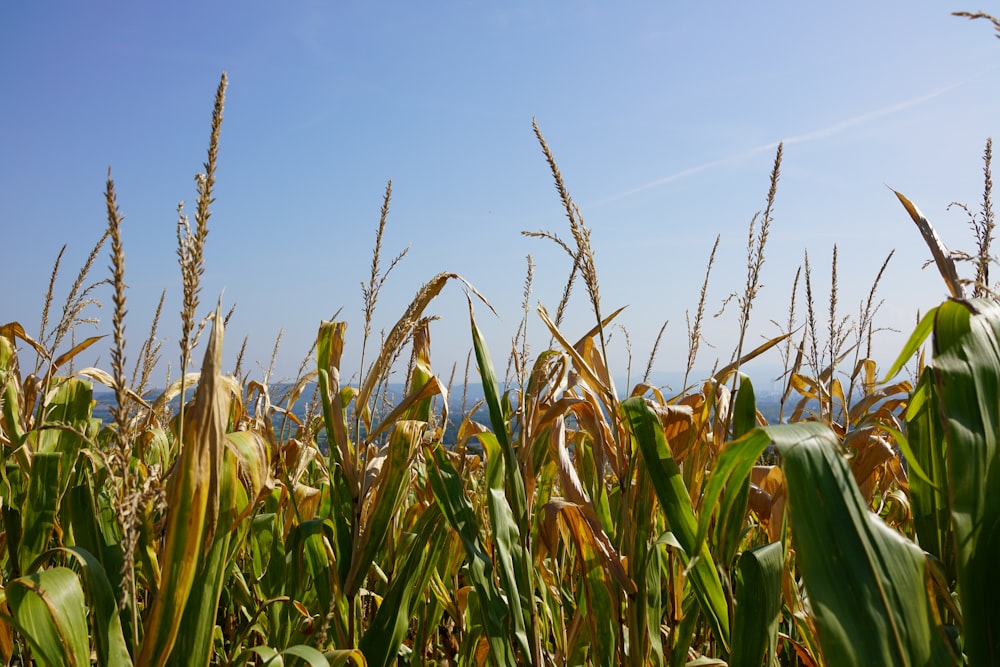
[[866, 582], [676, 504], [49, 606]]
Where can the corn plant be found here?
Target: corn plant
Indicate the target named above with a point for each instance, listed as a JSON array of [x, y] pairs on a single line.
[[565, 524]]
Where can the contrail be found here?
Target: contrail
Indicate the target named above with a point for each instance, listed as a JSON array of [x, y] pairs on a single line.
[[797, 139]]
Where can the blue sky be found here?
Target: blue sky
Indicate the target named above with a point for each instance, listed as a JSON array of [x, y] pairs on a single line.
[[663, 117]]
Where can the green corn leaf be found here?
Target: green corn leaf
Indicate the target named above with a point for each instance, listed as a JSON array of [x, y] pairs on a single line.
[[446, 485], [267, 556], [929, 500], [307, 654], [510, 555], [386, 496], [268, 656], [967, 374], [653, 603], [912, 462], [67, 416], [78, 516], [866, 583], [193, 502], [645, 615], [731, 516], [340, 657], [49, 607], [676, 505], [684, 632], [758, 606], [312, 570], [194, 642], [342, 504], [491, 393], [602, 615], [380, 643], [102, 608], [507, 504], [38, 516], [913, 343], [744, 408], [732, 468]]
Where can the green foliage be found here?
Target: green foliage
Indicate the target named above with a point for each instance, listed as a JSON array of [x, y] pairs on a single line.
[[566, 527]]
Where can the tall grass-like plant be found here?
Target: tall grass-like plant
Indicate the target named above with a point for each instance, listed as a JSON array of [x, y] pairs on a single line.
[[756, 246], [562, 525]]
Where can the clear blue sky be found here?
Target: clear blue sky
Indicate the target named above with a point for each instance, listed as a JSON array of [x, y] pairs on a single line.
[[663, 117]]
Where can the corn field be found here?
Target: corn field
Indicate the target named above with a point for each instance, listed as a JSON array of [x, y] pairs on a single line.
[[211, 523]]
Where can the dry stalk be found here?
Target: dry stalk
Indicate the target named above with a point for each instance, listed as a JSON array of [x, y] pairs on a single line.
[[370, 292], [191, 245], [987, 223], [584, 254], [574, 270], [981, 15], [266, 380], [652, 354], [238, 369], [518, 359], [465, 382], [149, 353], [118, 317], [628, 352], [839, 330], [755, 256], [832, 347], [785, 350], [811, 321], [48, 294], [983, 225], [119, 413], [865, 328], [694, 331], [78, 299]]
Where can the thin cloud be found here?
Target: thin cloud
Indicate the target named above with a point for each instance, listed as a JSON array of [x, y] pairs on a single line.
[[870, 116], [797, 139]]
